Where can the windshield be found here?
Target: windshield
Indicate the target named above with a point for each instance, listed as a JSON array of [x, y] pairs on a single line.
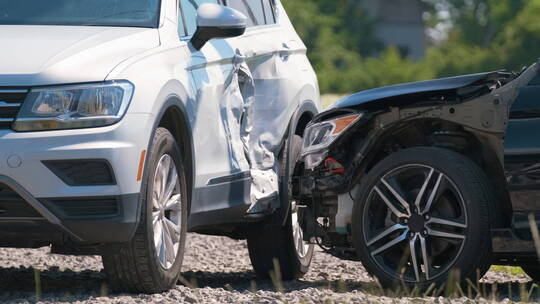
[[128, 13]]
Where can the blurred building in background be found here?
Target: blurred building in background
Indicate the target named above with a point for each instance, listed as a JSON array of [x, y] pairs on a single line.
[[400, 24]]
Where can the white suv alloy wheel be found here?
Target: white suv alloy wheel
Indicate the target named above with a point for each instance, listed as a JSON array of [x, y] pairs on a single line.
[[166, 211]]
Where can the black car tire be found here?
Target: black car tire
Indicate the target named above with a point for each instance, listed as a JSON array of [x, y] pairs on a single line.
[[271, 244], [462, 189], [136, 267]]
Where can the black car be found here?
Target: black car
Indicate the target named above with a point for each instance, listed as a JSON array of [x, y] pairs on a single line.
[[427, 180]]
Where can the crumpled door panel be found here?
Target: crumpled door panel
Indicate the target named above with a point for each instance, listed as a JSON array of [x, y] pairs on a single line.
[[278, 88], [250, 144]]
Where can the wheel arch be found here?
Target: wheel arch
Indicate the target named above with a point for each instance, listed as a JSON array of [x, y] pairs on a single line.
[[444, 134], [173, 117], [299, 121], [302, 116]]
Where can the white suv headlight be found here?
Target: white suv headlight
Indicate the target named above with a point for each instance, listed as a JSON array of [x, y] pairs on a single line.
[[74, 106]]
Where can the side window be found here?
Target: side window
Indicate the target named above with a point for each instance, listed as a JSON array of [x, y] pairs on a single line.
[[269, 11], [188, 16], [253, 9]]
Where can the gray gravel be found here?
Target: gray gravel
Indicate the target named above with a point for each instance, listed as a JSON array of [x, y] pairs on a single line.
[[217, 270]]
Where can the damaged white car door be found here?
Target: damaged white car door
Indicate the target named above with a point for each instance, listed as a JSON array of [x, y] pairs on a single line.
[[243, 97], [216, 113], [278, 67]]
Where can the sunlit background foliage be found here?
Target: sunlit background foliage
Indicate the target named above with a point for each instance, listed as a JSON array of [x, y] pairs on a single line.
[[464, 36]]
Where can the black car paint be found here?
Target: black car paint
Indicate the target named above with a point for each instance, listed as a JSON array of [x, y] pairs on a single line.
[[522, 162], [415, 90], [504, 119]]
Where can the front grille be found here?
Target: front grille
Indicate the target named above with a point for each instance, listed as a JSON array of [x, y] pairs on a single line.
[[11, 100], [13, 206]]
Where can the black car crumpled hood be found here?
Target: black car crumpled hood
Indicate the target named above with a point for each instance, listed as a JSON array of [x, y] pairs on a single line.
[[412, 89]]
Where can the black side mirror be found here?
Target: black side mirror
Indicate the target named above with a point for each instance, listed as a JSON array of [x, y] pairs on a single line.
[[217, 21]]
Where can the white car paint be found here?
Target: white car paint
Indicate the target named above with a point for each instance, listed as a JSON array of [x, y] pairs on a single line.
[[45, 55], [163, 67]]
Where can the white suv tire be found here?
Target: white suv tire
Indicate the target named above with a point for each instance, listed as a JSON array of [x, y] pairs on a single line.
[[152, 261]]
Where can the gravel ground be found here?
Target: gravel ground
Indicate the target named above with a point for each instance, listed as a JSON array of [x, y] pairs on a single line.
[[218, 271]]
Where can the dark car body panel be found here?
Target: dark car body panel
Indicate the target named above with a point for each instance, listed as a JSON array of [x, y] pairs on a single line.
[[522, 149], [413, 89], [500, 111]]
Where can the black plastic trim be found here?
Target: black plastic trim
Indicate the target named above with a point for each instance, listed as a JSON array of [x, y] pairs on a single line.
[[116, 228], [61, 174], [86, 229], [215, 220], [37, 205], [229, 178], [85, 207], [204, 33]]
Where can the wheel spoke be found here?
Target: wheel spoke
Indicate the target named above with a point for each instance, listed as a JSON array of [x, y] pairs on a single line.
[[169, 247], [390, 244], [155, 217], [158, 237], [443, 234], [433, 193], [155, 198], [294, 217], [440, 221], [173, 203], [397, 193], [423, 189], [164, 178], [385, 233], [158, 181], [300, 241], [425, 257], [412, 247], [295, 233], [163, 249], [174, 229], [171, 184], [389, 203]]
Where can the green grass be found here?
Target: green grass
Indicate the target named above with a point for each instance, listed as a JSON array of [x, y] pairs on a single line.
[[508, 269]]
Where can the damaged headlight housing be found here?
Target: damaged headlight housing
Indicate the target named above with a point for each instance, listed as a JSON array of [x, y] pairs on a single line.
[[319, 136], [74, 106]]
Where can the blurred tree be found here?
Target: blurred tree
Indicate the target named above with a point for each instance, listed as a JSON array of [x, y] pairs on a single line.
[[519, 42], [475, 22], [483, 35], [337, 33]]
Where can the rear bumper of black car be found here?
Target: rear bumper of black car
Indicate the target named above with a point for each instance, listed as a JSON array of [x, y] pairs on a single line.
[[26, 221]]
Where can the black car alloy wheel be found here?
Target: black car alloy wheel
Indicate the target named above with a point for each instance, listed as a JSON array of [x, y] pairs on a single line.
[[422, 214], [430, 228]]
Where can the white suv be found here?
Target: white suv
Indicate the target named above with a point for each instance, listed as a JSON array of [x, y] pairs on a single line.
[[126, 123]]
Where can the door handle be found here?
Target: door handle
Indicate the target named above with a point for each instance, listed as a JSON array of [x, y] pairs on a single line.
[[285, 52]]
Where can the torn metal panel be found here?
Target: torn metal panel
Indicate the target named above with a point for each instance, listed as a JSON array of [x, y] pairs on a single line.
[[279, 88], [233, 108], [249, 149]]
